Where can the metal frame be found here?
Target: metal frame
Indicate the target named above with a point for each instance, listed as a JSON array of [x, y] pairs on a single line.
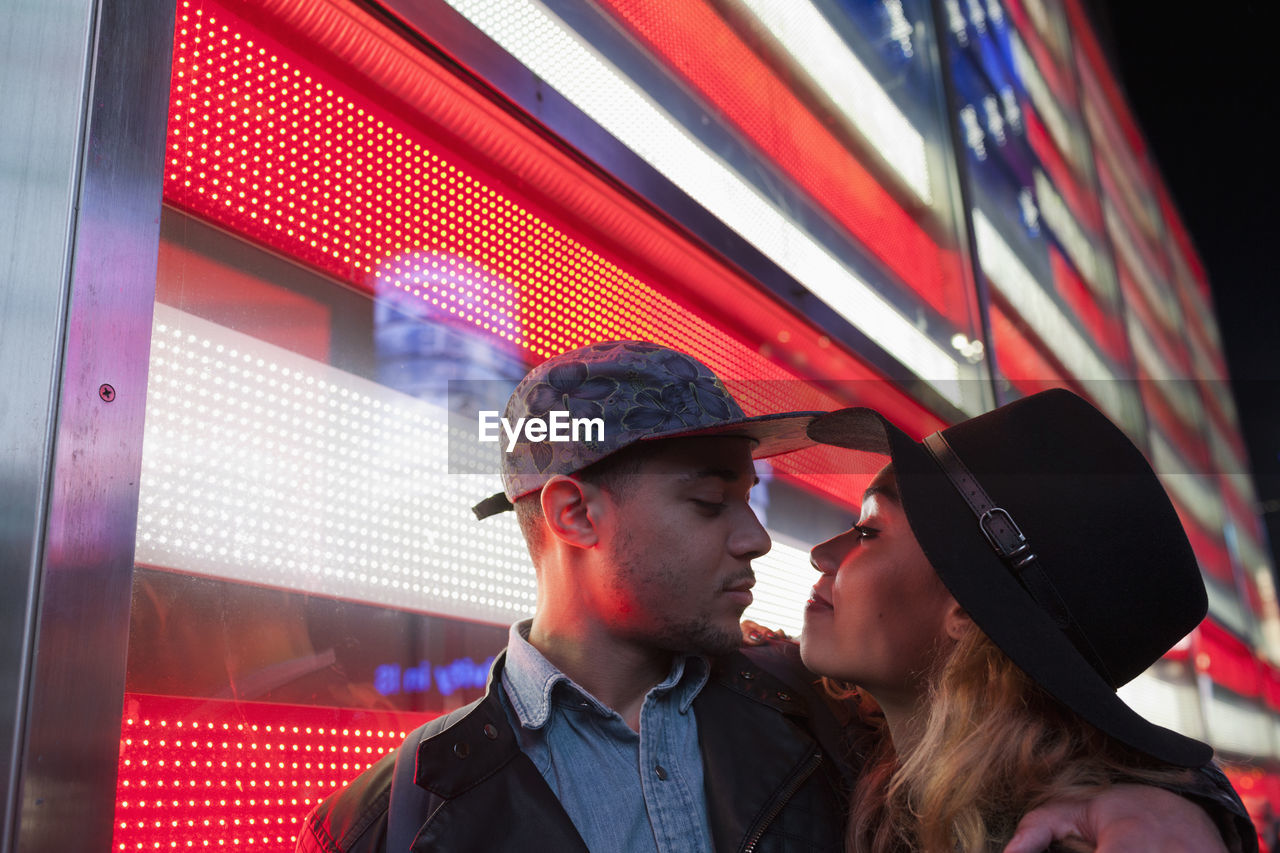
[[86, 97]]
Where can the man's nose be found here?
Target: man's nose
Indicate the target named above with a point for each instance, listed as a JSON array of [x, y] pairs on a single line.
[[751, 540]]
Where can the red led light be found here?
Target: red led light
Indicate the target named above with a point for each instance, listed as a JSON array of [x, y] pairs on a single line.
[[1082, 204], [1020, 361], [273, 146], [1228, 660], [212, 774], [1173, 224], [694, 40], [1210, 550], [1242, 514], [1046, 60], [1091, 59], [1103, 326]]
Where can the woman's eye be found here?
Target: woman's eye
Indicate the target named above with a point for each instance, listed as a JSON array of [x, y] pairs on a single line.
[[864, 532]]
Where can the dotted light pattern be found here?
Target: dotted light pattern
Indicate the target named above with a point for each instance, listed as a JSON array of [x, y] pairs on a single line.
[[273, 151], [556, 54], [261, 465], [198, 774]]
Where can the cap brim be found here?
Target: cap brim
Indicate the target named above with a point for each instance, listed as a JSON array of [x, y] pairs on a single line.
[[980, 582], [773, 434]]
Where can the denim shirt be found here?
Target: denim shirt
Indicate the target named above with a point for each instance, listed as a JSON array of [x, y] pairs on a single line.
[[623, 791]]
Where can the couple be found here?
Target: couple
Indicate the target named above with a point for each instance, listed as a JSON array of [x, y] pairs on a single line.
[[624, 716]]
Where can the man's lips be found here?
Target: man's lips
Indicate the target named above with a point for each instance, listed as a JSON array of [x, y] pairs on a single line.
[[740, 590]]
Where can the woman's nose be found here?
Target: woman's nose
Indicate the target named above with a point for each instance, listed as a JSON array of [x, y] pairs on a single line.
[[821, 557]]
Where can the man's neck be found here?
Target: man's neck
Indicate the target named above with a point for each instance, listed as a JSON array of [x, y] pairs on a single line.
[[619, 673]]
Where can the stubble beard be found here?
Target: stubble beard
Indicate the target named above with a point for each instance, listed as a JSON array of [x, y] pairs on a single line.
[[652, 586]]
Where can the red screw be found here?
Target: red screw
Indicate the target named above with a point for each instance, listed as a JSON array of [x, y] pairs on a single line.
[[107, 393]]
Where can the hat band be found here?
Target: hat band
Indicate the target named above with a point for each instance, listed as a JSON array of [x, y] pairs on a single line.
[[1012, 547]]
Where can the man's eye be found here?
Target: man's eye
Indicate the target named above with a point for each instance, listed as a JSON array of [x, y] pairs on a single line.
[[711, 507]]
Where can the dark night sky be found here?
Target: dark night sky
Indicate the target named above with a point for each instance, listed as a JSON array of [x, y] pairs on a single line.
[[1202, 80]]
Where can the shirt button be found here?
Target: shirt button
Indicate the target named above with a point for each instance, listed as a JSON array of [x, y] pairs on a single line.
[[490, 731], [747, 674], [462, 750], [785, 697], [661, 771]]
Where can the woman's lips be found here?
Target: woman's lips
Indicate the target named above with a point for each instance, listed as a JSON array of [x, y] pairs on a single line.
[[817, 601]]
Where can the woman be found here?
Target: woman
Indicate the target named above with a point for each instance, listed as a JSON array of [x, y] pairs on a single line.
[[1005, 577]]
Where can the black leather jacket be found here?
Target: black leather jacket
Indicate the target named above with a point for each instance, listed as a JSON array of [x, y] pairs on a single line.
[[770, 785], [768, 739]]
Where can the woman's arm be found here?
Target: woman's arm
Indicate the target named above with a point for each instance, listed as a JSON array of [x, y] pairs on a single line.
[[1206, 818]]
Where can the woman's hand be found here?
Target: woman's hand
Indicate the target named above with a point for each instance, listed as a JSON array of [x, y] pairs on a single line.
[[1123, 819], [755, 634]]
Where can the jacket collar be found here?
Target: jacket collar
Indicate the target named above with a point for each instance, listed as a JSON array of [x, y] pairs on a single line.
[[476, 745], [530, 680]]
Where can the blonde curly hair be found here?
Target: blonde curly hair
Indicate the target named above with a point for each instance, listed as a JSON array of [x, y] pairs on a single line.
[[989, 746]]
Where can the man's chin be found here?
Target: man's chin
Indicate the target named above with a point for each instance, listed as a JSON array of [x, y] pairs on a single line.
[[716, 641]]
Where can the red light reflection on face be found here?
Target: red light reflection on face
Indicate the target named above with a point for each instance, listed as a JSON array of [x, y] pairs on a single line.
[[208, 774]]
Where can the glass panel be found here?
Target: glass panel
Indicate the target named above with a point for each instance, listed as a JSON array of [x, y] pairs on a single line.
[[351, 229], [813, 131]]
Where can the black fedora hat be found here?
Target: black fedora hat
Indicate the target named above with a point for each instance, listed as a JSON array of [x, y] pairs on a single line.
[[1051, 530]]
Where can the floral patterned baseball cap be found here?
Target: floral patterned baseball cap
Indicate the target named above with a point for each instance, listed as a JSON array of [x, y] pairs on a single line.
[[637, 391]]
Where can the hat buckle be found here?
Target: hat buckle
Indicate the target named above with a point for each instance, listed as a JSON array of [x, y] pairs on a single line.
[[1006, 537]]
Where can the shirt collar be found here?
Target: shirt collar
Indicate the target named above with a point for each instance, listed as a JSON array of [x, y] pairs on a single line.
[[530, 678]]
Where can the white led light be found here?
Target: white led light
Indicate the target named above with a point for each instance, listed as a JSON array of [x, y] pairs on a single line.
[[1028, 297], [995, 119], [1012, 111], [783, 580], [995, 12], [1078, 245], [825, 57], [977, 16], [555, 53], [1226, 606], [955, 20], [1156, 296], [1174, 706], [1238, 725], [1177, 391], [261, 465], [974, 136], [1194, 492], [1045, 103], [899, 29], [1027, 207]]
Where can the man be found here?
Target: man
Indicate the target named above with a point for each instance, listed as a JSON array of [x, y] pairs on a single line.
[[623, 716]]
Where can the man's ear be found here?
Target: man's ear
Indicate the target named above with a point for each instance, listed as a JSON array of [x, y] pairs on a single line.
[[955, 621], [568, 506]]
